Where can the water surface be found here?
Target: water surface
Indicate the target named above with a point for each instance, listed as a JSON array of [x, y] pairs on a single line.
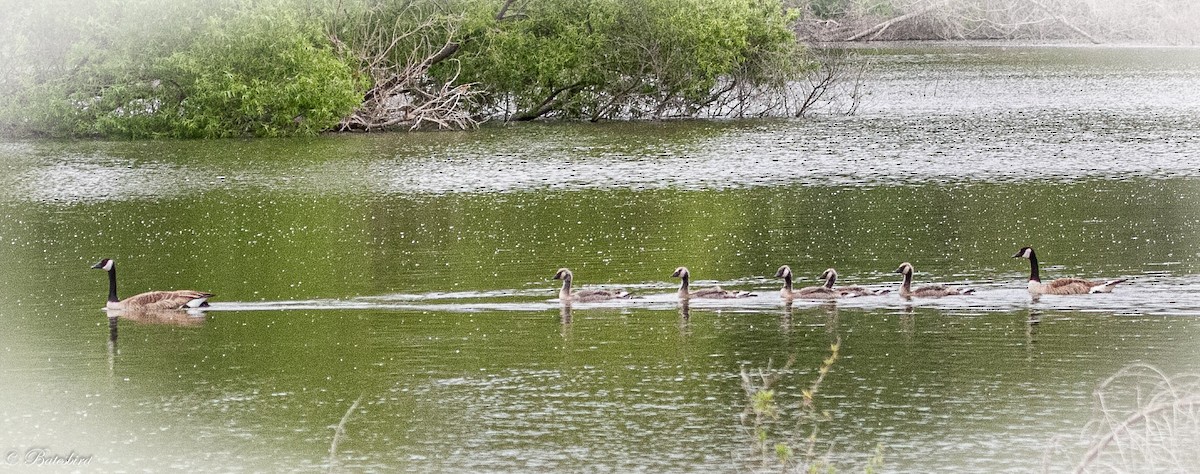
[[411, 273]]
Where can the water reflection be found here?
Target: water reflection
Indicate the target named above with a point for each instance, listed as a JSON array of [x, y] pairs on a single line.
[[564, 313], [169, 317], [1031, 324], [785, 319], [908, 322], [181, 318], [112, 344]]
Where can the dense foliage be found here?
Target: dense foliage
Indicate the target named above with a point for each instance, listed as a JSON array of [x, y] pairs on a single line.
[[130, 69], [621, 58], [143, 68]]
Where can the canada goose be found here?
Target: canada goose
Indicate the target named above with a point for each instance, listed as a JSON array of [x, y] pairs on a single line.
[[150, 300], [830, 277], [566, 295], [715, 292], [811, 292], [906, 290], [1061, 286]]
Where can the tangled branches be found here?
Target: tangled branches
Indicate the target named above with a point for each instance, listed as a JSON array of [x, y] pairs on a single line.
[[1096, 21], [403, 94]]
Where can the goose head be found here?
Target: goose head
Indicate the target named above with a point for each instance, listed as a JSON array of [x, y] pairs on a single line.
[[1025, 252], [681, 272], [905, 269], [828, 275], [563, 274], [783, 272], [106, 265]]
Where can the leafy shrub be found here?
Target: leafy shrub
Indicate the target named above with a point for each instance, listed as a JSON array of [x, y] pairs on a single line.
[[623, 58], [228, 68], [266, 73], [247, 70]]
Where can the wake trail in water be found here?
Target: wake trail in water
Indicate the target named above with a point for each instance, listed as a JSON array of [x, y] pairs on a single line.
[[1157, 298]]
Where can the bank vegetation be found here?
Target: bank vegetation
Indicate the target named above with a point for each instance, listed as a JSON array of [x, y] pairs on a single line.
[[229, 68], [239, 68]]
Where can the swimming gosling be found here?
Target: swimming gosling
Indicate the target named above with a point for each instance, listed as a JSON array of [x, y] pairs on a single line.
[[808, 292], [150, 300], [830, 276], [715, 292], [566, 295], [1062, 286], [906, 269]]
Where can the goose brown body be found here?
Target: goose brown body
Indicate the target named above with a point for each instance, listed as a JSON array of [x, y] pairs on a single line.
[[150, 300], [1061, 286]]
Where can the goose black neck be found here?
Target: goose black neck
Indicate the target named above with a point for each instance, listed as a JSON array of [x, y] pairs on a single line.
[[907, 281], [112, 284], [829, 281], [684, 285], [787, 282], [566, 285], [1033, 267]]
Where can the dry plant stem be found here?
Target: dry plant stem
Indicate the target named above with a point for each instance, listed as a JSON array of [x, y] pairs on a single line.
[[1128, 423], [340, 431], [809, 394], [1165, 412]]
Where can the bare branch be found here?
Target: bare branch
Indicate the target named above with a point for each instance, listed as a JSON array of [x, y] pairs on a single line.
[[877, 29]]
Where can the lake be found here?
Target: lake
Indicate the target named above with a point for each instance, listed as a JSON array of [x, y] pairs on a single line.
[[385, 302]]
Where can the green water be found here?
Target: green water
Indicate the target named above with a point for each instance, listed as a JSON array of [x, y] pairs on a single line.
[[411, 273]]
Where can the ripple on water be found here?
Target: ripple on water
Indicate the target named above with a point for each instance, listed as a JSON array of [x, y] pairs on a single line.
[[1158, 295]]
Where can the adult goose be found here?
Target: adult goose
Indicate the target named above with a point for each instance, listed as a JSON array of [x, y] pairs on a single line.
[[830, 276], [715, 292], [567, 296], [150, 300], [1061, 286], [809, 292], [906, 290]]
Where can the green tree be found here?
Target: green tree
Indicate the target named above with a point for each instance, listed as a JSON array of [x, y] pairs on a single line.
[[233, 69], [229, 68], [267, 72], [623, 58]]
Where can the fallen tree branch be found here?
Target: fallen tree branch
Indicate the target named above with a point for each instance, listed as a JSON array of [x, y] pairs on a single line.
[[878, 28], [1065, 21]]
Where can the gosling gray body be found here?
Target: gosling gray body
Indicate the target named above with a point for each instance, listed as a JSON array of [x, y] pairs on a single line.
[[808, 292], [716, 292], [931, 291], [1062, 286], [150, 300], [830, 276], [566, 295]]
